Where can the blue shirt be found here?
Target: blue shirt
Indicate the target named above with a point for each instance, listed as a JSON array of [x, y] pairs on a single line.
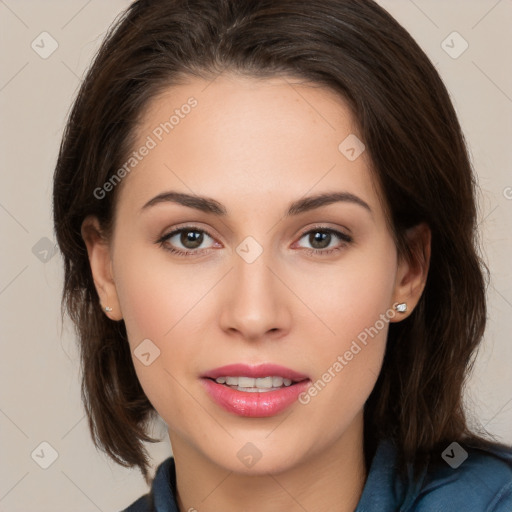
[[481, 483]]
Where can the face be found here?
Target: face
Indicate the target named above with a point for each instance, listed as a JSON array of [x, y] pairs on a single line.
[[256, 273]]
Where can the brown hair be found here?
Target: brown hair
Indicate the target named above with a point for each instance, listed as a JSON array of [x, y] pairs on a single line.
[[420, 161]]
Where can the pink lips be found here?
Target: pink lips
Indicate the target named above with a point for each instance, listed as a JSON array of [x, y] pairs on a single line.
[[258, 404], [261, 370]]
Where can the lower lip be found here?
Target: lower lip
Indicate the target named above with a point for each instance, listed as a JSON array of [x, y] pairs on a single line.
[[257, 404]]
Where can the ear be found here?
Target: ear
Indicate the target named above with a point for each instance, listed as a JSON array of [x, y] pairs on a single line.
[[412, 271], [98, 249]]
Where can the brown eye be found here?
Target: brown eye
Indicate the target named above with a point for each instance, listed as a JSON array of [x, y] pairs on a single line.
[[184, 241], [191, 239], [321, 239]]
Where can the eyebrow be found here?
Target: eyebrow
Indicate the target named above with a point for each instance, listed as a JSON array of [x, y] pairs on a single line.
[[209, 205]]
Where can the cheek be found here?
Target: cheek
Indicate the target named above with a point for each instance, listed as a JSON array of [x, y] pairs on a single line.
[[154, 293], [350, 295], [147, 318], [164, 303], [353, 301]]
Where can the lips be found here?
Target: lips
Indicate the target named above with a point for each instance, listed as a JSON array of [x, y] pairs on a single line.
[[259, 371], [250, 404]]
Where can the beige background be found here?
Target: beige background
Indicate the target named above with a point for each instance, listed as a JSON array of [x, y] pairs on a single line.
[[39, 397]]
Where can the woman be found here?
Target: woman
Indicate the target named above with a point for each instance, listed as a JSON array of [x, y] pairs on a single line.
[[267, 217]]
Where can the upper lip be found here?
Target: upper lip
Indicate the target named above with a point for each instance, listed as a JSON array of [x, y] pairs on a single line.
[[261, 370]]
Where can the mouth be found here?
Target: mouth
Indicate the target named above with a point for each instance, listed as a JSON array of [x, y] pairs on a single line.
[[260, 377], [254, 391], [256, 385]]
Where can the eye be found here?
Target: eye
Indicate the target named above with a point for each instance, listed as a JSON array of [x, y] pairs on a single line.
[[190, 238], [187, 241], [321, 239]]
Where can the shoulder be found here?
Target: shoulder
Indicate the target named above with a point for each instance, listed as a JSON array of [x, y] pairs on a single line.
[[469, 479]]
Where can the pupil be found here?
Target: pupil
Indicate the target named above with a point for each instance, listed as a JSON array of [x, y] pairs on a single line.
[[321, 237], [191, 239]]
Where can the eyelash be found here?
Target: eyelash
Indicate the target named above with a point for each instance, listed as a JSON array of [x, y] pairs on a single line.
[[346, 240]]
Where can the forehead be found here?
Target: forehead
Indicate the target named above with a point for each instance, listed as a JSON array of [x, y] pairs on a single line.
[[246, 139]]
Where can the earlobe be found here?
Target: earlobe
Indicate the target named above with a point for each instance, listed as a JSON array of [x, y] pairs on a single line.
[[98, 250], [412, 271]]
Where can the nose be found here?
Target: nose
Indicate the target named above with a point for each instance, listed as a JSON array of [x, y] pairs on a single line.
[[256, 301]]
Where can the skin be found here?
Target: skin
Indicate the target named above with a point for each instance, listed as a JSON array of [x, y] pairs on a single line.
[[255, 146]]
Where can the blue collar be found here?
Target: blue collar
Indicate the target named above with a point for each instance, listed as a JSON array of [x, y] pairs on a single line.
[[482, 482]]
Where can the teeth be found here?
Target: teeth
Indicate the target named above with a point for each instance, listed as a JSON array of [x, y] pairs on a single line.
[[277, 382], [254, 384]]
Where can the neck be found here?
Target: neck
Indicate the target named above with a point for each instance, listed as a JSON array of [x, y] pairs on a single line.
[[329, 480]]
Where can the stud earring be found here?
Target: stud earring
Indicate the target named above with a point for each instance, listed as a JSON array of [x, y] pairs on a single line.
[[108, 309], [401, 307]]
